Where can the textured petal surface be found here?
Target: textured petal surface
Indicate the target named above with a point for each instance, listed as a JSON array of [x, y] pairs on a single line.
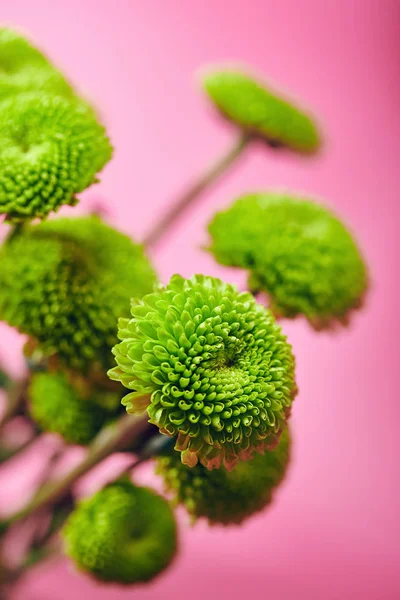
[[217, 370], [50, 149], [226, 497], [297, 251], [57, 407], [123, 534], [65, 282]]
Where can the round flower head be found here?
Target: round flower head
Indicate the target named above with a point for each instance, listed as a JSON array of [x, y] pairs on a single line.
[[297, 251], [66, 281], [211, 367], [259, 111], [223, 496], [124, 534], [57, 407], [23, 68], [50, 149]]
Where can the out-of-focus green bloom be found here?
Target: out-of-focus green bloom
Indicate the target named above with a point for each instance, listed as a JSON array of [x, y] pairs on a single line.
[[210, 366], [66, 281], [23, 68], [57, 407], [124, 534], [50, 149], [257, 110], [297, 251], [222, 496]]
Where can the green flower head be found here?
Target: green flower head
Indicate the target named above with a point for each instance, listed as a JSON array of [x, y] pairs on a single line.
[[297, 251], [57, 407], [50, 149], [210, 366], [258, 111], [24, 69], [65, 282], [226, 497], [123, 534]]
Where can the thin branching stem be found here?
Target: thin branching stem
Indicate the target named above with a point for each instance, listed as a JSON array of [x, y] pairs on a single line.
[[193, 193], [109, 440], [15, 401]]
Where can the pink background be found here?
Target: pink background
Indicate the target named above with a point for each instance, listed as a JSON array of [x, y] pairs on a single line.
[[334, 530]]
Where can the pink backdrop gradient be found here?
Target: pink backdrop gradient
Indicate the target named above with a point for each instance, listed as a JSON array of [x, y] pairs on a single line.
[[333, 532]]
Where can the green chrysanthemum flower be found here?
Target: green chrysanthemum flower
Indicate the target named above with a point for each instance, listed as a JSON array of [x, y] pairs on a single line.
[[259, 111], [23, 68], [297, 251], [66, 281], [211, 366], [57, 407], [226, 497], [123, 534], [50, 149]]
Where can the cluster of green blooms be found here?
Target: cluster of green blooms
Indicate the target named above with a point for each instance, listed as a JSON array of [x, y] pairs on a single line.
[[124, 533], [297, 251], [226, 497], [258, 111], [210, 366], [58, 407], [51, 144], [23, 68], [65, 282]]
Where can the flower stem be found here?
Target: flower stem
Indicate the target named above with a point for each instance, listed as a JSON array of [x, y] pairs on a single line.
[[16, 400], [9, 453], [195, 190], [13, 232], [109, 440]]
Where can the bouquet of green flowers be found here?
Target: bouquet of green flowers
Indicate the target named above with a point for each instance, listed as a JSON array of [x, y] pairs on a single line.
[[193, 374]]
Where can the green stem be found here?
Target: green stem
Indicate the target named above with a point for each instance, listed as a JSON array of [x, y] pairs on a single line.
[[4, 379], [195, 190], [13, 232], [112, 439], [7, 454], [16, 400]]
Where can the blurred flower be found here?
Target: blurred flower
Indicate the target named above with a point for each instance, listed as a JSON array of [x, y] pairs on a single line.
[[24, 68], [257, 110], [226, 497], [57, 407], [210, 366], [65, 282], [297, 251], [124, 534], [50, 149]]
